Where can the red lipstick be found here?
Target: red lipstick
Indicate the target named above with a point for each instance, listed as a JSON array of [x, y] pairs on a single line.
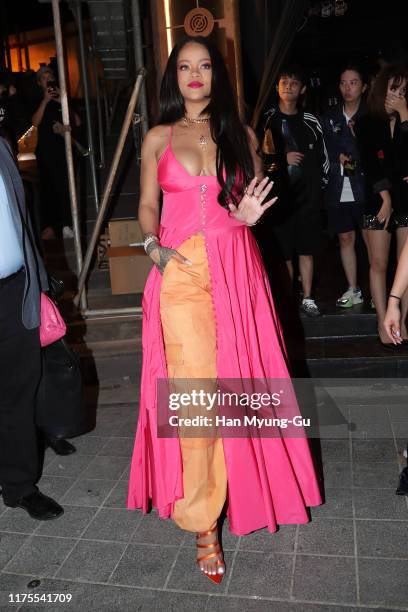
[[195, 84]]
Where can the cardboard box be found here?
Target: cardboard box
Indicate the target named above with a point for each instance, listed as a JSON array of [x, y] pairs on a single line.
[[129, 266]]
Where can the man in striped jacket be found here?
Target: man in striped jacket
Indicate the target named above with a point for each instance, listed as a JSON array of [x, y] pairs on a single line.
[[303, 167]]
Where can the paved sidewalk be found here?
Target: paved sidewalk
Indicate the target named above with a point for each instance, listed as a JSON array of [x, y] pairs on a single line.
[[353, 555]]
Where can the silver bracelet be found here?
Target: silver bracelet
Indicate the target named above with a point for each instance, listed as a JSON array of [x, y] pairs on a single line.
[[150, 238]]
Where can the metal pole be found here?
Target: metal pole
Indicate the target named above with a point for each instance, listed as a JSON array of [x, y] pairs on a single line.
[[84, 77], [68, 142], [98, 111], [108, 187], [137, 43]]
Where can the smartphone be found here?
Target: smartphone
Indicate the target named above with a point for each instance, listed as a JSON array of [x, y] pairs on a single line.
[[52, 87]]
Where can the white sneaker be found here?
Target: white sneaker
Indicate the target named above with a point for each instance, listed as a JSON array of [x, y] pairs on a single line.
[[350, 298], [67, 232], [310, 308]]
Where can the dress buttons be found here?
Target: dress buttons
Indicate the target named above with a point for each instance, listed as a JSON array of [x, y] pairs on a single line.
[[203, 189]]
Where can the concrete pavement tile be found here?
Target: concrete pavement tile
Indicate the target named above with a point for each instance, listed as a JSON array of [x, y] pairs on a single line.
[[146, 566], [17, 519], [379, 504], [335, 450], [327, 537], [382, 539], [9, 545], [106, 467], [70, 525], [369, 414], [91, 561], [112, 524], [68, 465], [325, 579], [282, 540], [89, 445], [55, 486], [41, 556], [337, 474], [118, 497], [88, 492], [375, 475], [374, 450], [337, 504], [261, 574], [118, 447], [398, 413], [383, 582], [154, 530]]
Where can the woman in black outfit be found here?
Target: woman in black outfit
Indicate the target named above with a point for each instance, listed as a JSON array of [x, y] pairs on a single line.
[[383, 140], [345, 191]]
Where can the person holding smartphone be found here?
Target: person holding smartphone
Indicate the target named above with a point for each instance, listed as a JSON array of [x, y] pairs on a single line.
[[52, 166], [383, 140]]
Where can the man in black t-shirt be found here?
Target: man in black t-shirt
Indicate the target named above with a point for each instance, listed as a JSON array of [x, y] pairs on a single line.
[[303, 168]]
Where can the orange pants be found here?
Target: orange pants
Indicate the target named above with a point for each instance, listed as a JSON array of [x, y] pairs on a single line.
[[188, 323]]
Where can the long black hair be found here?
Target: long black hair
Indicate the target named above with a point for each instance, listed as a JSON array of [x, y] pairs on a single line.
[[234, 163]]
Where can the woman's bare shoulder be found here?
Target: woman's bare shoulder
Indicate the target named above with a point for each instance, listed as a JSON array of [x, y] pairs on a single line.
[[156, 139]]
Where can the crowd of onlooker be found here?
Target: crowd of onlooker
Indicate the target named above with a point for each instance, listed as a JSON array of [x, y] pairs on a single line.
[[354, 158]]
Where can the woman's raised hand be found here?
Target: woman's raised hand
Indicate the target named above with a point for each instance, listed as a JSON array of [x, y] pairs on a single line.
[[253, 205]]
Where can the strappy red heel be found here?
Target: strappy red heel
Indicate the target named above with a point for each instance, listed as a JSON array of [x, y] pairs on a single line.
[[217, 550]]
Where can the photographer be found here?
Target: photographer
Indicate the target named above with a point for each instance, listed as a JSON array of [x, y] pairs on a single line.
[[51, 159]]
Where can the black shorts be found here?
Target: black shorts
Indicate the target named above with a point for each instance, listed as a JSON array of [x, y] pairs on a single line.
[[299, 234], [344, 217]]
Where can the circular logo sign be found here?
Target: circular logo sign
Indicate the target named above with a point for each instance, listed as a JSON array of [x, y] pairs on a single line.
[[199, 22]]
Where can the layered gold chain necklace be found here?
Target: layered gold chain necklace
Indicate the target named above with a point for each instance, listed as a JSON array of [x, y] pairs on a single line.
[[189, 122]]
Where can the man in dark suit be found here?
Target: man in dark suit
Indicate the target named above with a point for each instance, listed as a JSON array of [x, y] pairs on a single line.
[[22, 278]]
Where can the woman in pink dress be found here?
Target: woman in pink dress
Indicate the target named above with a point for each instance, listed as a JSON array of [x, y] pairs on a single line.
[[208, 314]]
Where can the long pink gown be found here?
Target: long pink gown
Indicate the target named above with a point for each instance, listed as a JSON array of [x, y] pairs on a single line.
[[270, 480]]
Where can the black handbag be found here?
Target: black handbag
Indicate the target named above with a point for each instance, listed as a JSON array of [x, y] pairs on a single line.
[[61, 408]]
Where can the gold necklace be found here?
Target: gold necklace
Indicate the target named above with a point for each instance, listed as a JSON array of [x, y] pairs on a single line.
[[202, 140], [190, 120]]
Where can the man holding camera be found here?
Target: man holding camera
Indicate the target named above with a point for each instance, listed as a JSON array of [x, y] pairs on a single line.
[[50, 152]]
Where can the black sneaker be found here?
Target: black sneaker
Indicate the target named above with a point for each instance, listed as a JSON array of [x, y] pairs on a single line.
[[309, 307]]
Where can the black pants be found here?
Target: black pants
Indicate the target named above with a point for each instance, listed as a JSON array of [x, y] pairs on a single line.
[[54, 190], [20, 372]]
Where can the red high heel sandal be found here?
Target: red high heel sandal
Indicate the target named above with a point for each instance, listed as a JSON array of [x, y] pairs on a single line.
[[217, 550]]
